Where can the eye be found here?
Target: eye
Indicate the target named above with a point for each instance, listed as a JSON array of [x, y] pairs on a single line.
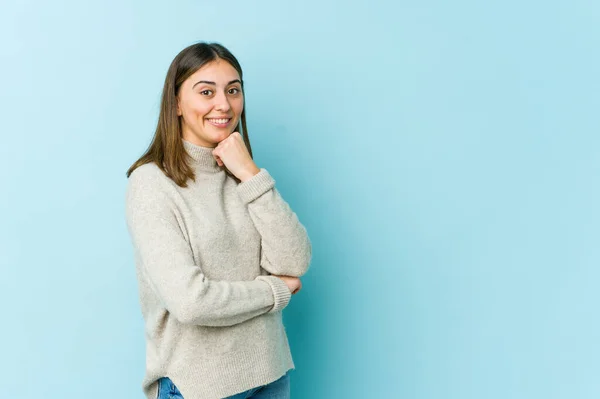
[[206, 92], [234, 90]]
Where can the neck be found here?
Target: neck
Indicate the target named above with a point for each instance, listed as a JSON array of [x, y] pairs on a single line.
[[201, 156]]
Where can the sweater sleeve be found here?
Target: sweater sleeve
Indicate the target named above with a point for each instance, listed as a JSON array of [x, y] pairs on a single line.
[[286, 247], [165, 259]]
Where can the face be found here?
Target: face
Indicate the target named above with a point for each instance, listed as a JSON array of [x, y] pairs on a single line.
[[210, 103]]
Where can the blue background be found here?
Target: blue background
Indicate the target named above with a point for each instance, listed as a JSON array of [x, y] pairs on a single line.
[[444, 157]]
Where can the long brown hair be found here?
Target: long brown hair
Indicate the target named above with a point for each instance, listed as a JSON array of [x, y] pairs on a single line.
[[166, 148]]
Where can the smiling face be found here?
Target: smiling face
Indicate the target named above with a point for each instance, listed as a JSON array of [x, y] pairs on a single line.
[[210, 104]]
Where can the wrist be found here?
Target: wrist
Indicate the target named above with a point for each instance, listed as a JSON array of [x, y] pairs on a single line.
[[249, 173], [281, 292]]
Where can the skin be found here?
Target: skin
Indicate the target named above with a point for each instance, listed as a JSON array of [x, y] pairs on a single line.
[[215, 91]]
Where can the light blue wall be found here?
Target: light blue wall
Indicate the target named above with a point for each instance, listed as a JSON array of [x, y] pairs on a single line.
[[444, 157]]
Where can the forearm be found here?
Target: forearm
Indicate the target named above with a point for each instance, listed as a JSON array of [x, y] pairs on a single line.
[[286, 247], [223, 303]]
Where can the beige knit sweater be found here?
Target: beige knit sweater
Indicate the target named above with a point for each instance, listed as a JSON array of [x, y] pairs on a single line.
[[204, 255]]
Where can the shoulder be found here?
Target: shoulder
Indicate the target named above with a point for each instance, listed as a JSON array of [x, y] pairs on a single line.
[[150, 177], [148, 173], [148, 184]]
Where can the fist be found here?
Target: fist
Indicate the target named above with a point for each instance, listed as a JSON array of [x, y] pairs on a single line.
[[232, 153], [293, 283]]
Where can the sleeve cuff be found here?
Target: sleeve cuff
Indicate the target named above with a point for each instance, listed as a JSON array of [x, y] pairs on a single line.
[[281, 292], [256, 186]]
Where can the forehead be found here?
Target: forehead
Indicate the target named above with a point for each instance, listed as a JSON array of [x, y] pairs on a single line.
[[218, 71]]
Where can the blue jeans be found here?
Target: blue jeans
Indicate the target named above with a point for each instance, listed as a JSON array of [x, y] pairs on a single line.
[[279, 389]]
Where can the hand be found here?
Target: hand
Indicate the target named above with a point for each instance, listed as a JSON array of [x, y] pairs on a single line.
[[293, 283], [232, 153]]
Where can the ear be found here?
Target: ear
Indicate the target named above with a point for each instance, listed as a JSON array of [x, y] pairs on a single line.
[[178, 107]]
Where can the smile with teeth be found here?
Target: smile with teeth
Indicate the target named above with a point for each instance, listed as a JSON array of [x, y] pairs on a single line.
[[218, 122]]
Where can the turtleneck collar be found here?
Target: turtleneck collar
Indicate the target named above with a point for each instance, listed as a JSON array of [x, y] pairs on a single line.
[[201, 156]]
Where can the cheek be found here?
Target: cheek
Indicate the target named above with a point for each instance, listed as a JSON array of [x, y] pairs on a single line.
[[238, 107], [201, 109], [194, 108]]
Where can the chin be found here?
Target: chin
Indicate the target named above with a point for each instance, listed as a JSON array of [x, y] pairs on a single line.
[[217, 138]]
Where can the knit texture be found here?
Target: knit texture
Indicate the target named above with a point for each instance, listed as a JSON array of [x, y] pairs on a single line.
[[204, 256]]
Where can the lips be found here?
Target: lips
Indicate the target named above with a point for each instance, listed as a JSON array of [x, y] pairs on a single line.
[[219, 122]]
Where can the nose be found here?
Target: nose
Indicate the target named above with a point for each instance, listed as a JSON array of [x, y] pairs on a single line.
[[222, 103]]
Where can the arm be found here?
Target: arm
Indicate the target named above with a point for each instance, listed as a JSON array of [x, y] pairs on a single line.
[[167, 262], [286, 247]]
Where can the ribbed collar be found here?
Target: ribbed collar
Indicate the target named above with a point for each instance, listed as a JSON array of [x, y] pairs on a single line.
[[201, 156]]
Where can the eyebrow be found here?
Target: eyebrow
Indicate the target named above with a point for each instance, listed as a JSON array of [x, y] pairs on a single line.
[[213, 83]]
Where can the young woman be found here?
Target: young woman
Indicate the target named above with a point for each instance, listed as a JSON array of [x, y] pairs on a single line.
[[218, 251]]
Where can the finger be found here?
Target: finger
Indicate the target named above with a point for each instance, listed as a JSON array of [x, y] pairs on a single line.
[[217, 158]]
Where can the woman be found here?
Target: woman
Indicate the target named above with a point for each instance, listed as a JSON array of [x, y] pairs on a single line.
[[218, 251]]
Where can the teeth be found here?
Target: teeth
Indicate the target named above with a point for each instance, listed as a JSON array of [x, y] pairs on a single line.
[[219, 121]]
